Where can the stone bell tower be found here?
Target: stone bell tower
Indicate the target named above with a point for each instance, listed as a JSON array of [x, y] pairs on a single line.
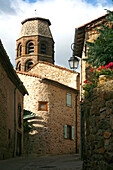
[[35, 43]]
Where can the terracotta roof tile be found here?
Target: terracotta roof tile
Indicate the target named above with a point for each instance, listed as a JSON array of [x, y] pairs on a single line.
[[43, 78], [99, 18], [30, 74], [44, 62]]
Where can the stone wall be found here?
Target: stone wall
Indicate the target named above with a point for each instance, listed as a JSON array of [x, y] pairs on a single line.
[[97, 111], [7, 115], [57, 73], [46, 135]]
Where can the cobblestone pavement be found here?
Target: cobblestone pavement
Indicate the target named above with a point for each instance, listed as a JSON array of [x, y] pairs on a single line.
[[58, 162]]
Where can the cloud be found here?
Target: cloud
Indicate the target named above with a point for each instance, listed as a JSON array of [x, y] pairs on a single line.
[[5, 7], [65, 16]]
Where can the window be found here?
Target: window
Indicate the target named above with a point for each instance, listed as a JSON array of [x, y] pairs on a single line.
[[29, 47], [28, 64], [42, 106], [43, 49], [19, 50], [19, 115], [68, 99], [18, 67], [68, 132]]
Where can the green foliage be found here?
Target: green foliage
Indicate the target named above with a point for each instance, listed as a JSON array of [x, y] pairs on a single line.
[[100, 52], [26, 127], [105, 71], [89, 86], [93, 77]]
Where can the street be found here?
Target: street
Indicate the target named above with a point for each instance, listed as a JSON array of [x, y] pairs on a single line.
[[57, 162]]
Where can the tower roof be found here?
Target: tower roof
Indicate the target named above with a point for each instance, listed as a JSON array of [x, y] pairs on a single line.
[[35, 26], [36, 18]]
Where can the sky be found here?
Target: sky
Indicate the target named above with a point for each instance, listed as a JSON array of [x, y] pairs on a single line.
[[64, 15]]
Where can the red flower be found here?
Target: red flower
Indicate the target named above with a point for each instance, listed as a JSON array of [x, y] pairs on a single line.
[[102, 67], [90, 82], [85, 81], [80, 83], [109, 65], [98, 69], [91, 69]]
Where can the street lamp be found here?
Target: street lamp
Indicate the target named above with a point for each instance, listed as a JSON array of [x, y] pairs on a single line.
[[73, 63]]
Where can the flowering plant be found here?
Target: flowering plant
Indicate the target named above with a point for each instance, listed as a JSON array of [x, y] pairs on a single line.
[[93, 76], [105, 70], [88, 85]]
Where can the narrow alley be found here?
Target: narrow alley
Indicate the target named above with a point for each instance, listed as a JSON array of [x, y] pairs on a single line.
[[57, 162]]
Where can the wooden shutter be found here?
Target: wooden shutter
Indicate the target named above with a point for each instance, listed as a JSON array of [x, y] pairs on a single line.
[[68, 99], [65, 131], [72, 132]]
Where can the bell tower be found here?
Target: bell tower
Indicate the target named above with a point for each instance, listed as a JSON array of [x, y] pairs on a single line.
[[35, 43]]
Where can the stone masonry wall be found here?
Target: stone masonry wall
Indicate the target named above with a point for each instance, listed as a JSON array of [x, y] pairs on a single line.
[[46, 135], [97, 112], [7, 115], [62, 75]]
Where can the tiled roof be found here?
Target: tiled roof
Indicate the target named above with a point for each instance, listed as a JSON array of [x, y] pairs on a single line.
[[99, 18], [80, 34], [43, 78], [29, 74], [44, 62]]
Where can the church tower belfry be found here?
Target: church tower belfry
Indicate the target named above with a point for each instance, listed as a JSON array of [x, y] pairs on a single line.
[[35, 43]]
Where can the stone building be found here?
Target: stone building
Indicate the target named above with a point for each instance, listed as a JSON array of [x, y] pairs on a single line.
[[98, 127], [97, 109], [11, 109], [87, 32], [53, 95]]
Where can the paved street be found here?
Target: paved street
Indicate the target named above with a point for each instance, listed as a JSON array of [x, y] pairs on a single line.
[[59, 162]]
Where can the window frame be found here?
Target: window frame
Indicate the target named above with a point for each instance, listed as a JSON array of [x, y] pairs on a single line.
[[29, 49], [19, 50], [44, 103], [68, 104], [69, 132], [28, 64], [18, 66]]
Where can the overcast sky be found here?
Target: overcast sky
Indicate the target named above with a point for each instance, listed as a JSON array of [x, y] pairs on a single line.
[[64, 15]]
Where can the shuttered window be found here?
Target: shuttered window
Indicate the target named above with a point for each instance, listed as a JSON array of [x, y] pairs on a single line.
[[65, 131], [72, 132], [68, 99], [68, 132]]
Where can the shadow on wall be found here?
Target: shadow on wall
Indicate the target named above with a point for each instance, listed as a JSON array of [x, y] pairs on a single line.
[[35, 133]]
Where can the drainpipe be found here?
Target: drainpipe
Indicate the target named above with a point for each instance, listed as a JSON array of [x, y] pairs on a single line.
[[15, 125], [76, 121]]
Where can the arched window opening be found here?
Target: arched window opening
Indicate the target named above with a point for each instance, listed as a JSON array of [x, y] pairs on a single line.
[[19, 50], [18, 66], [43, 49], [28, 64], [29, 47]]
